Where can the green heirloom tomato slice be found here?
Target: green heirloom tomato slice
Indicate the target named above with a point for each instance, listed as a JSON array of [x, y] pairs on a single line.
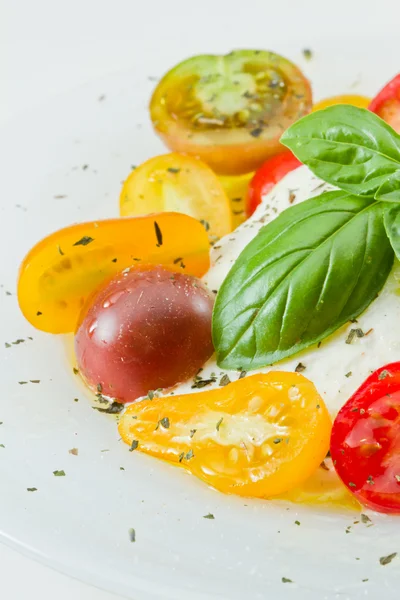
[[230, 110]]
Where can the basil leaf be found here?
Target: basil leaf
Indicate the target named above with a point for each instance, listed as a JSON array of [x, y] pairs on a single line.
[[350, 147], [392, 226], [317, 265], [389, 191]]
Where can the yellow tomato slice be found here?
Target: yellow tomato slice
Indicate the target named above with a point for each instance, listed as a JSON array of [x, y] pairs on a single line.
[[230, 110], [60, 272], [353, 99], [236, 187], [175, 182], [259, 436]]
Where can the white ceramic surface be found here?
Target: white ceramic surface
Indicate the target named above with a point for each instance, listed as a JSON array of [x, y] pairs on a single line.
[[79, 523]]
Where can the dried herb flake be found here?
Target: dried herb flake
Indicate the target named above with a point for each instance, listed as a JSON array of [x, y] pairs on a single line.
[[84, 241]]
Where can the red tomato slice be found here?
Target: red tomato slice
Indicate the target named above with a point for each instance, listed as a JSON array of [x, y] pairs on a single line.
[[272, 171], [387, 103], [365, 441]]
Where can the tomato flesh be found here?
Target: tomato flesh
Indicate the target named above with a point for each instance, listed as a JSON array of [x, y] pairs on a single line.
[[144, 330], [386, 103], [231, 110], [178, 183], [365, 442], [267, 176], [62, 271], [258, 436]]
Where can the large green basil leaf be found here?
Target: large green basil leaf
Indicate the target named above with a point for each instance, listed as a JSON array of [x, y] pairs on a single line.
[[389, 191], [317, 265], [392, 226], [350, 147]]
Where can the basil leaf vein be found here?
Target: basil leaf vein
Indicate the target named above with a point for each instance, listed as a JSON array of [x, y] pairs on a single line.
[[349, 147], [392, 226], [317, 265]]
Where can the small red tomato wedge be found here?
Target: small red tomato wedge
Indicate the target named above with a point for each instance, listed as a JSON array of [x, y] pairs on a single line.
[[387, 103], [268, 175], [365, 441]]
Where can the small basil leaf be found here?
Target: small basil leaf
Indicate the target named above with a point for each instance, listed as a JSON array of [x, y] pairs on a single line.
[[389, 191], [314, 267], [349, 147], [392, 226]]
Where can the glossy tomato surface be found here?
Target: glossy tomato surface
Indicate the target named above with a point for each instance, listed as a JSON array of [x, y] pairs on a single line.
[[230, 110], [268, 175], [386, 103], [178, 183], [60, 272], [258, 436], [144, 330], [365, 442]]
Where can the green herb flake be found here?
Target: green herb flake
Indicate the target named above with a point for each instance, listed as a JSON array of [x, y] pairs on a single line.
[[365, 518], [351, 484], [256, 132], [219, 423], [224, 380], [192, 432], [277, 440], [33, 489], [158, 234], [164, 422], [134, 445], [300, 368], [7, 345], [297, 523], [370, 480], [353, 334], [112, 409], [307, 53], [114, 260], [205, 224], [75, 371], [383, 374], [242, 374], [173, 170], [132, 535], [150, 394], [84, 241], [34, 380], [122, 468], [178, 260], [385, 560], [22, 382], [286, 580], [189, 455], [349, 374], [209, 516], [2, 446], [59, 250], [60, 473], [181, 456], [73, 451]]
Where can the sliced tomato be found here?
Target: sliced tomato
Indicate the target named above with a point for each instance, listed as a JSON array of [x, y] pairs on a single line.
[[59, 273], [230, 110], [258, 436], [386, 103], [236, 188], [365, 442], [178, 183], [272, 171], [352, 99]]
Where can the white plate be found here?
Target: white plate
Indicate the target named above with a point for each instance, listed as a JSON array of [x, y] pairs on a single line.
[[79, 523]]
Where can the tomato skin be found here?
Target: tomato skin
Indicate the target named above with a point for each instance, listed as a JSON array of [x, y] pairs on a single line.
[[258, 436], [267, 176], [352, 99], [144, 330], [365, 441], [179, 183], [239, 125], [386, 103], [61, 271]]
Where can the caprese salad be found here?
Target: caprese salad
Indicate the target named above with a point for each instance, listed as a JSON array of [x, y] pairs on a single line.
[[240, 317]]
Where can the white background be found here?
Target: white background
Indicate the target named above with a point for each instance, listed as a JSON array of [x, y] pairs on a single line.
[[48, 47]]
